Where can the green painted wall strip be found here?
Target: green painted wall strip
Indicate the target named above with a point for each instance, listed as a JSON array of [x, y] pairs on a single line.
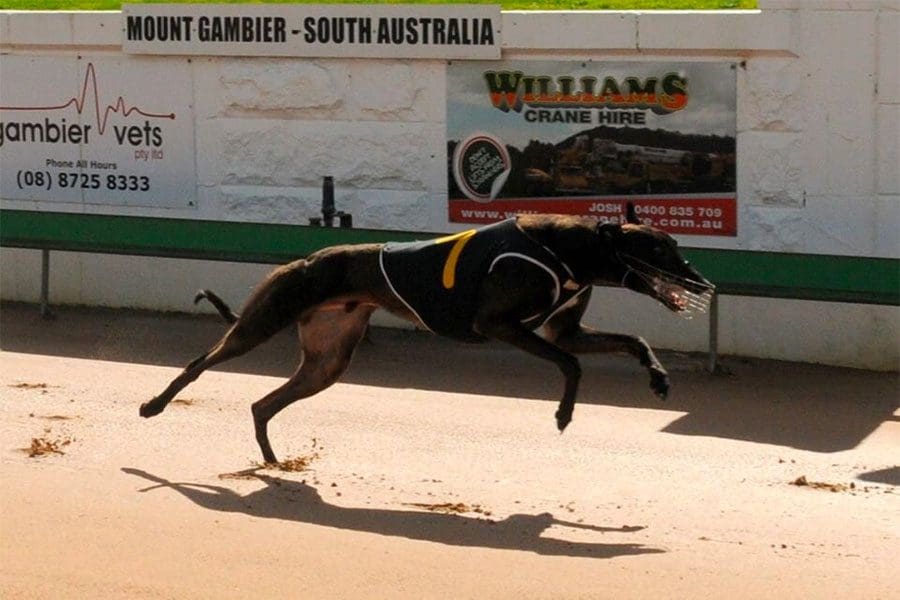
[[781, 275], [802, 276], [211, 240]]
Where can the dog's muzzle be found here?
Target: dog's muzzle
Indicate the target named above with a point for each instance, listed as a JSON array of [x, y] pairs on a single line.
[[681, 295]]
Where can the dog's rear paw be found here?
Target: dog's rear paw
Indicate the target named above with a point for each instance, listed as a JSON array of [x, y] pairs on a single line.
[[151, 409]]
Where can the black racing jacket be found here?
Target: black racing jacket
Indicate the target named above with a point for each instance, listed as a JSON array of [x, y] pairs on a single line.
[[440, 280]]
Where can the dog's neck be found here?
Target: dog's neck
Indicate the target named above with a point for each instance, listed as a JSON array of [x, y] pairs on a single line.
[[575, 242]]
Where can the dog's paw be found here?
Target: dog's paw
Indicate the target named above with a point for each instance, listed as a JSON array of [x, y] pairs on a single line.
[[659, 383], [151, 409], [563, 418]]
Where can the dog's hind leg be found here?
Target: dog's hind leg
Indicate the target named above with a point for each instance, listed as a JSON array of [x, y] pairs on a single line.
[[237, 341], [565, 330], [328, 338], [275, 303]]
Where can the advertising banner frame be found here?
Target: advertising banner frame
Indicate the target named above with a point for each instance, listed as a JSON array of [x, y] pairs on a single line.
[[587, 137], [94, 130]]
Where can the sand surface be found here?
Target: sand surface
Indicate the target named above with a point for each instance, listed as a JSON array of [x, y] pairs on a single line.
[[434, 470]]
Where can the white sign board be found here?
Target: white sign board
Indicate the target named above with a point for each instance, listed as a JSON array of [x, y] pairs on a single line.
[[97, 130], [456, 31]]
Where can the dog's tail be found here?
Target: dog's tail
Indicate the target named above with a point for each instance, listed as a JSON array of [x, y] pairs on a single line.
[[224, 310]]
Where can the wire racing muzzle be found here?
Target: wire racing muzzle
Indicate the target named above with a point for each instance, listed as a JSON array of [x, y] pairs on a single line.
[[681, 295]]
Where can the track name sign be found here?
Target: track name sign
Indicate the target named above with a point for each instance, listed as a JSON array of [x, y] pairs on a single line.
[[456, 31]]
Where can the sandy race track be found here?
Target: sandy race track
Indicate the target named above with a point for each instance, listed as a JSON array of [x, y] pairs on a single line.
[[434, 471]]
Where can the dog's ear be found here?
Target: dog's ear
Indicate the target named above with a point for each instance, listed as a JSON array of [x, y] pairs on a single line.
[[631, 214], [608, 234]]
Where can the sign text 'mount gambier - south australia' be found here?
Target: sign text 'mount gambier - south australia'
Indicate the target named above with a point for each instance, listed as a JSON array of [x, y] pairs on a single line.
[[367, 31]]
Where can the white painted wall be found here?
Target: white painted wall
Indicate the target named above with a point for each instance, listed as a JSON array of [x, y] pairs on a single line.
[[818, 170]]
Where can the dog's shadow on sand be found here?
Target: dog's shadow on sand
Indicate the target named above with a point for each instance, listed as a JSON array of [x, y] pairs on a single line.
[[299, 502]]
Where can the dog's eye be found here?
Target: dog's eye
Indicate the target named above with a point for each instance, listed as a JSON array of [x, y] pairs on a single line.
[[657, 250]]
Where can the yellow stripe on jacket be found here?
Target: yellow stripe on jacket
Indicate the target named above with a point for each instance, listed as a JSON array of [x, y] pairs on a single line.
[[460, 240]]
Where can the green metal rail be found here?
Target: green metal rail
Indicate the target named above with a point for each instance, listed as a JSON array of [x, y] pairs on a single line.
[[735, 272]]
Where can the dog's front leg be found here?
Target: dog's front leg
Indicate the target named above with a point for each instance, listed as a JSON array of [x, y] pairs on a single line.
[[565, 330], [587, 340], [521, 337]]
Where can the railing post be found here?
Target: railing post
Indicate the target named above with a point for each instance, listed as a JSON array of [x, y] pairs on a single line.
[[45, 284], [713, 354]]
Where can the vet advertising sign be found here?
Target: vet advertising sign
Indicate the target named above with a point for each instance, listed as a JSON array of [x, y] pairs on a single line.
[[97, 130], [587, 137], [314, 30]]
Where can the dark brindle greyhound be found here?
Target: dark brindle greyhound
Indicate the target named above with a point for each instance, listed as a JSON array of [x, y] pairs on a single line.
[[500, 282]]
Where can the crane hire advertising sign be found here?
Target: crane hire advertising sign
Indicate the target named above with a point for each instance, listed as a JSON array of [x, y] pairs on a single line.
[[585, 138]]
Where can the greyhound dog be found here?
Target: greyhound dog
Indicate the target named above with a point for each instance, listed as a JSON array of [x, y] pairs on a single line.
[[499, 282]]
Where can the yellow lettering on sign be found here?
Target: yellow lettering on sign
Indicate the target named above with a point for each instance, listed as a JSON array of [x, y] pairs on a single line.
[[459, 240]]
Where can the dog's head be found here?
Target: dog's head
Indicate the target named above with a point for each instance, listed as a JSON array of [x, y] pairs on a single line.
[[647, 261]]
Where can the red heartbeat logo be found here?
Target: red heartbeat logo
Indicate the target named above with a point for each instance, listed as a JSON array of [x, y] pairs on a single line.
[[90, 83]]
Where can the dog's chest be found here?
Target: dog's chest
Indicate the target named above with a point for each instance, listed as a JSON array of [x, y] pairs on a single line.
[[440, 280]]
